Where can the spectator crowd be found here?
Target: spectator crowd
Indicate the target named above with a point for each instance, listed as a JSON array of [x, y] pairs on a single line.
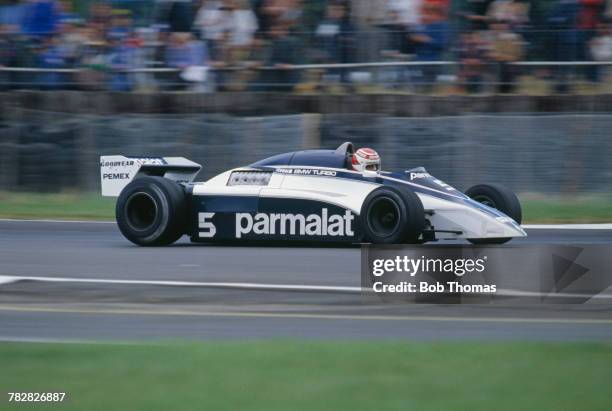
[[256, 45]]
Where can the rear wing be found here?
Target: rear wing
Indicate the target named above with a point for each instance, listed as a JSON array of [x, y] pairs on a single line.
[[117, 171]]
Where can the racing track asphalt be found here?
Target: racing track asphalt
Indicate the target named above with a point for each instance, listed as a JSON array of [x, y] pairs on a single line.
[[32, 311]]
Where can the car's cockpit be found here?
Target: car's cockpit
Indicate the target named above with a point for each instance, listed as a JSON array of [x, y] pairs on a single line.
[[338, 158]]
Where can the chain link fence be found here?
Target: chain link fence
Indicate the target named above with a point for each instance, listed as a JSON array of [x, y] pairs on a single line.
[[549, 154]]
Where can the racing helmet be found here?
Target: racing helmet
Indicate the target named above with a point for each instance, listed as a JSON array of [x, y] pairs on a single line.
[[365, 159]]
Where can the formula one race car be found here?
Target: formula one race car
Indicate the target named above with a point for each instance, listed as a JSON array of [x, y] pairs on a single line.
[[308, 196]]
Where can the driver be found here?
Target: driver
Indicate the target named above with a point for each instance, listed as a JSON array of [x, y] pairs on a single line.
[[365, 159]]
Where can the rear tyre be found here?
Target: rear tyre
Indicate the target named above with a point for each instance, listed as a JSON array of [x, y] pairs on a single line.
[[391, 216], [498, 197], [152, 211]]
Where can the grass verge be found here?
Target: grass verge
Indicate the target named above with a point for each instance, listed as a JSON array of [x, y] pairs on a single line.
[[580, 210], [313, 376], [67, 206], [94, 207]]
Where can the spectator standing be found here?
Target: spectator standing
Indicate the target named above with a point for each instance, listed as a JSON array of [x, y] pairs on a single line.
[[71, 37], [397, 36], [71, 44], [506, 47], [211, 21], [273, 14], [475, 15], [408, 11], [515, 13], [11, 16], [313, 11], [601, 48], [7, 57], [264, 20], [589, 17], [40, 18], [228, 27], [120, 60], [99, 16], [282, 54], [180, 16], [336, 38], [397, 46], [120, 24], [563, 39], [472, 56], [367, 13], [122, 52], [241, 25], [51, 58], [66, 15], [430, 39], [190, 57]]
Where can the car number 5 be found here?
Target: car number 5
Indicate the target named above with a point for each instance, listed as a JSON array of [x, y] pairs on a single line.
[[207, 228]]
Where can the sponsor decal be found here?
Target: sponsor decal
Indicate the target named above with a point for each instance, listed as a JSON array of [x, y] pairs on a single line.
[[132, 161], [443, 184], [295, 224], [504, 219], [116, 176], [252, 178], [414, 176], [307, 172], [151, 161], [123, 163], [419, 175]]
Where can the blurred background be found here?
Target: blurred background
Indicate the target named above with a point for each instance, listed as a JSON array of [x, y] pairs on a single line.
[[509, 91], [425, 46]]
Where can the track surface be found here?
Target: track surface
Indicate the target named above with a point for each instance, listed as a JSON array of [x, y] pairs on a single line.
[[97, 250]]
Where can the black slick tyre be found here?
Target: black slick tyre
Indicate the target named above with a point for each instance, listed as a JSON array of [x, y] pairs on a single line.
[[152, 211], [390, 216]]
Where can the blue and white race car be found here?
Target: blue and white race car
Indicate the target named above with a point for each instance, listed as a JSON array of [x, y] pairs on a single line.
[[307, 196]]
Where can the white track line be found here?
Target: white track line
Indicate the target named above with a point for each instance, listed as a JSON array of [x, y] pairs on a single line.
[[19, 220], [607, 226], [243, 286], [518, 293], [5, 279]]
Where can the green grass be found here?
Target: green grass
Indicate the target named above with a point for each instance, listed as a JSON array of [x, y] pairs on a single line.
[[61, 206], [95, 207], [314, 376], [580, 210]]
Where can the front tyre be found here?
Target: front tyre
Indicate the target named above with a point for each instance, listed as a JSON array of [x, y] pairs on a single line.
[[390, 216], [500, 198], [152, 211]]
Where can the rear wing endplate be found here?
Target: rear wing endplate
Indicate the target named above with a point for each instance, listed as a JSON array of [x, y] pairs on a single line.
[[117, 171]]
